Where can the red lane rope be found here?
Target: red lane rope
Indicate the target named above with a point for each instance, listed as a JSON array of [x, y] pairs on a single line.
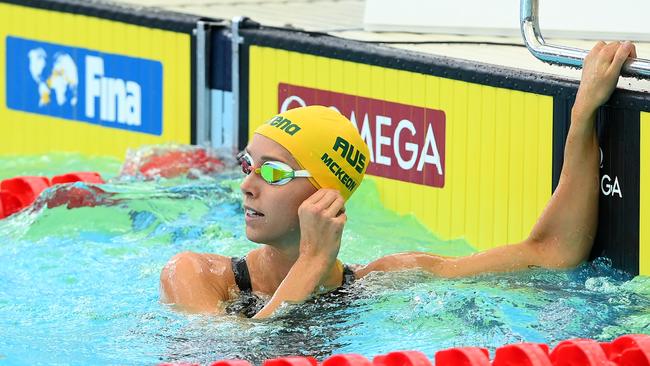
[[626, 350]]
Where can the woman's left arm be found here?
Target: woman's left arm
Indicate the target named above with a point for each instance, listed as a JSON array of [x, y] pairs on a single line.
[[565, 231], [509, 258]]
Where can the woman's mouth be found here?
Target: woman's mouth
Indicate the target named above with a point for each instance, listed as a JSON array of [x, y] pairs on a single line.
[[250, 213]]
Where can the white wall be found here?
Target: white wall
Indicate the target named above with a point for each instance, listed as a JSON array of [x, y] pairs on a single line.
[[583, 19]]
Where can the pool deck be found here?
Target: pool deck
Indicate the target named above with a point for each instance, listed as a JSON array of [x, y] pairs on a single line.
[[344, 18]]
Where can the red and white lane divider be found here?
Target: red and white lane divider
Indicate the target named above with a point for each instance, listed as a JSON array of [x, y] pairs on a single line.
[[171, 162], [627, 350], [148, 164], [20, 192]]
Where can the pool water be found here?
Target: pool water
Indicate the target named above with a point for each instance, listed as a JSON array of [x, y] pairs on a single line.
[[80, 286]]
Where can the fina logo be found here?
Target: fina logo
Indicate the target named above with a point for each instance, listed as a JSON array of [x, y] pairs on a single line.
[[111, 91], [84, 85], [119, 101], [62, 79]]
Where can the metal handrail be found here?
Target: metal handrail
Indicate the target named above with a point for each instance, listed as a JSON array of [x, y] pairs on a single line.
[[562, 55]]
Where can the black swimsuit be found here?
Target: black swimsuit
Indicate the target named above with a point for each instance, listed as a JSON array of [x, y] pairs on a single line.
[[249, 304]]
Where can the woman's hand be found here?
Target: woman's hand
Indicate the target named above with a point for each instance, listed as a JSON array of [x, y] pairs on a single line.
[[322, 217], [600, 72]]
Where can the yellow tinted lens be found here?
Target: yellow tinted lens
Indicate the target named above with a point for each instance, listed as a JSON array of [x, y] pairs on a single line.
[[273, 173]]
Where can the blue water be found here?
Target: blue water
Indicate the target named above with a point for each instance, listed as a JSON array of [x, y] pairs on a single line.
[[80, 286]]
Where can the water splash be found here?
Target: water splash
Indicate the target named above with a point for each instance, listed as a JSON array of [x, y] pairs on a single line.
[[80, 285]]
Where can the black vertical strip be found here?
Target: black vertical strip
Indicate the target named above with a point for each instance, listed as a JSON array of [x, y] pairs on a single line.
[[193, 120], [244, 55], [561, 122], [618, 217], [220, 60], [618, 230], [208, 54]]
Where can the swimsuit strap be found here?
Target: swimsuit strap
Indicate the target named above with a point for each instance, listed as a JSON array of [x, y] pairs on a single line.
[[242, 277], [348, 275]]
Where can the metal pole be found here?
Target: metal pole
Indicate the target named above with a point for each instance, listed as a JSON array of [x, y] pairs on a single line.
[[562, 55], [236, 40], [202, 91]]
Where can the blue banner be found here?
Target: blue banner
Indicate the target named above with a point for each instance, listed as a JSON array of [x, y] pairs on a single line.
[[84, 85]]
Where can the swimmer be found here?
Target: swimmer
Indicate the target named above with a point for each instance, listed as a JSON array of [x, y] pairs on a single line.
[[304, 164]]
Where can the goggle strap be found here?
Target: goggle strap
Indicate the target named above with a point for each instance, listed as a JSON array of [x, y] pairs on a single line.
[[301, 174]]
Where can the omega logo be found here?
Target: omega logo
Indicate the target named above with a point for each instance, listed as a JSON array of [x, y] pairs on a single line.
[[608, 186]]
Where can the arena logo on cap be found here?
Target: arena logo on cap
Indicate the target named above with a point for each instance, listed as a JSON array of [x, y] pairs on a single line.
[[285, 125], [405, 142], [84, 85]]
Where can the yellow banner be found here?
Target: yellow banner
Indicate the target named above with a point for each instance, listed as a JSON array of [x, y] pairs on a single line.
[[71, 82], [644, 196], [494, 172]]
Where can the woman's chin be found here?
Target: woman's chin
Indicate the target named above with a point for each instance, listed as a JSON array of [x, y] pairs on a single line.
[[254, 235]]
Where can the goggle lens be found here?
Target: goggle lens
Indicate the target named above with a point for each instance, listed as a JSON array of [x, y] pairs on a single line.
[[273, 172], [245, 162]]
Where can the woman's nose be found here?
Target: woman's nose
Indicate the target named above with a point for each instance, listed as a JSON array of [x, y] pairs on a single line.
[[250, 185]]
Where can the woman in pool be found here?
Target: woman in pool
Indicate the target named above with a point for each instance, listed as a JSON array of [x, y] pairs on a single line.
[[299, 176]]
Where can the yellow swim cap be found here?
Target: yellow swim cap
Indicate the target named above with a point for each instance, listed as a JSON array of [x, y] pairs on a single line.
[[323, 142]]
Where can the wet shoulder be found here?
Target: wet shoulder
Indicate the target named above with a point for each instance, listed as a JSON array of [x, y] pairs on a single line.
[[220, 269]]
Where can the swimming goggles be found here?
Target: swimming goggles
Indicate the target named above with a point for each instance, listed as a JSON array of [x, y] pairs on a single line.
[[273, 172]]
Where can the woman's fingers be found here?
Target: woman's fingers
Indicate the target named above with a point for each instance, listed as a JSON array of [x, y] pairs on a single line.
[[622, 53], [341, 219], [315, 197], [633, 52], [331, 204], [598, 46], [326, 200], [335, 207], [608, 51]]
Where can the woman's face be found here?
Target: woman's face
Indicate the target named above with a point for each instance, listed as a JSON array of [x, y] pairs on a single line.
[[271, 211]]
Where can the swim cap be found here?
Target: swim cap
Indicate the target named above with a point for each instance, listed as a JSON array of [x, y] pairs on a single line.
[[323, 142]]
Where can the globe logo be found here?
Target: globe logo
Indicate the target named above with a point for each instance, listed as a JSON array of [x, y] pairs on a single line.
[[63, 79], [79, 84]]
